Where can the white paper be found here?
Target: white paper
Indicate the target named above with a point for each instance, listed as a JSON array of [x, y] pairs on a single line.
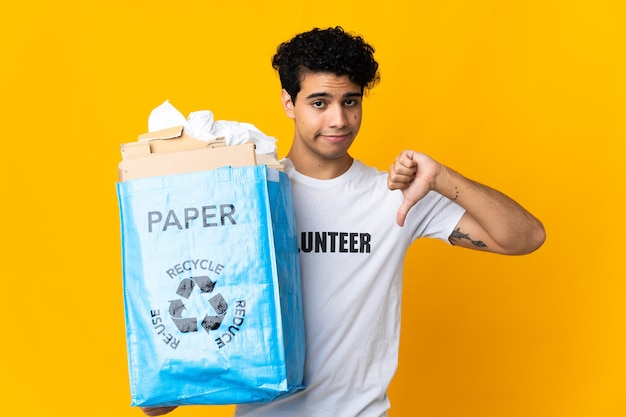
[[202, 125]]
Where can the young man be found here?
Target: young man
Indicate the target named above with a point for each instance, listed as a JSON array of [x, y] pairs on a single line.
[[356, 223]]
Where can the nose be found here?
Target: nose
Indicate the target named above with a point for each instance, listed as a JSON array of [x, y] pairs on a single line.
[[337, 117]]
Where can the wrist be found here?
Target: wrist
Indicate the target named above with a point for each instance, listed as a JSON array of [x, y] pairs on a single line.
[[447, 183], [441, 179]]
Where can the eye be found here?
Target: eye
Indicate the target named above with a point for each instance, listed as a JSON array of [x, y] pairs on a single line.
[[351, 102], [318, 104]]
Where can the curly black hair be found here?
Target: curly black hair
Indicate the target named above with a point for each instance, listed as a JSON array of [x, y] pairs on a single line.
[[329, 50]]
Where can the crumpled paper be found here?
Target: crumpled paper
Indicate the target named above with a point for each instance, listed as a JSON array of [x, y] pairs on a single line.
[[202, 125]]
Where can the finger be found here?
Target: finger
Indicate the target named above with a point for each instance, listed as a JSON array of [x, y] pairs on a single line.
[[404, 210], [402, 186], [402, 174], [404, 164], [406, 159], [400, 177], [157, 411], [397, 184]]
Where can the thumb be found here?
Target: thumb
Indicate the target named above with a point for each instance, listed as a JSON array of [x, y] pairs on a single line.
[[404, 210]]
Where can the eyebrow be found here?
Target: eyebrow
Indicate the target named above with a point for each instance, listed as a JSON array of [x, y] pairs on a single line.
[[327, 95]]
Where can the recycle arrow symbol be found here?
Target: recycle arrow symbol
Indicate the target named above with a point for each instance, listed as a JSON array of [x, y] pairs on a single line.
[[190, 324], [214, 322], [185, 325], [176, 308], [187, 285]]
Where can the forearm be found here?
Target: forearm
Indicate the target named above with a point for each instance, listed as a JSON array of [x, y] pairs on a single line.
[[509, 227]]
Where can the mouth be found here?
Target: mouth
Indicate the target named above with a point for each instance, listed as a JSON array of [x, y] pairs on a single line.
[[336, 137]]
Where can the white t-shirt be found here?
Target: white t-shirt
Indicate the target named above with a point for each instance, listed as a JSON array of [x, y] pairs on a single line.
[[352, 254]]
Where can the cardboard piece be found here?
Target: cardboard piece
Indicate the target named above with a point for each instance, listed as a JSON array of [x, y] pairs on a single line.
[[171, 151], [175, 139], [170, 163]]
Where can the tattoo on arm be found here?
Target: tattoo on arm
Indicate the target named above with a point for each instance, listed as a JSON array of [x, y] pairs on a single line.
[[457, 235]]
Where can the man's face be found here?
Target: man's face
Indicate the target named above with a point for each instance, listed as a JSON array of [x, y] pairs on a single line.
[[327, 115]]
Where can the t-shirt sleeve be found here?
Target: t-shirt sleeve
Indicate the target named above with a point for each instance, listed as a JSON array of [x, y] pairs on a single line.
[[434, 216]]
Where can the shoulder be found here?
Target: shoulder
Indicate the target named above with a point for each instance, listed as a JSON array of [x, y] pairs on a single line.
[[360, 171]]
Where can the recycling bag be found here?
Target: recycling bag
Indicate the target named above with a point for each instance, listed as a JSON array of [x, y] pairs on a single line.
[[211, 281]]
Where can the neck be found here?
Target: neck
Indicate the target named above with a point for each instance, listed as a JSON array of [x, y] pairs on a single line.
[[321, 169]]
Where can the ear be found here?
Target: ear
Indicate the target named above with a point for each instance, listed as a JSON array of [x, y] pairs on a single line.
[[288, 104]]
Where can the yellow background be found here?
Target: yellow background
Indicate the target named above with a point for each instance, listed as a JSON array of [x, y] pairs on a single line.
[[527, 96]]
